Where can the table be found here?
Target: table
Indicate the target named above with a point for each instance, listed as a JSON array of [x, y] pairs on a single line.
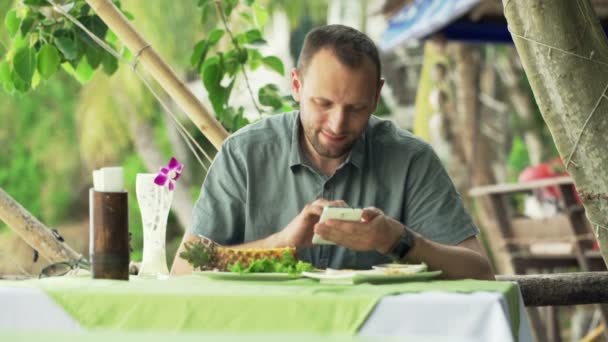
[[466, 310]]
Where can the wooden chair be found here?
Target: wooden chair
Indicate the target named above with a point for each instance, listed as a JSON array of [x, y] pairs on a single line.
[[564, 240]]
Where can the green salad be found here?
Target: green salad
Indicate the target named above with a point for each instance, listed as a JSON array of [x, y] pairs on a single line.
[[286, 264]]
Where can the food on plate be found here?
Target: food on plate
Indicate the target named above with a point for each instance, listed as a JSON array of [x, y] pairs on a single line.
[[205, 254], [401, 268]]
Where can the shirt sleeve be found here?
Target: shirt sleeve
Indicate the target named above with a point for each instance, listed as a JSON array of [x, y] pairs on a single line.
[[219, 212], [433, 206]]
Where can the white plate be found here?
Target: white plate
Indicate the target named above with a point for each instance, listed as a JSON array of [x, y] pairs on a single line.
[[270, 276], [369, 276], [401, 268]]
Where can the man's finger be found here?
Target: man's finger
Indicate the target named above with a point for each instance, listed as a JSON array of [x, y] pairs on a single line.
[[338, 203], [313, 209], [370, 213], [321, 202]]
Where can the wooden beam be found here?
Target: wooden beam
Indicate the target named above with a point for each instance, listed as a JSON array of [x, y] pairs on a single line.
[[33, 232], [561, 288], [518, 187]]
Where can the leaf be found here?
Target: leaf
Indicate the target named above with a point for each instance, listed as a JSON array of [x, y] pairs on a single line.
[[110, 64], [215, 36], [19, 84], [48, 61], [67, 47], [82, 73], [229, 5], [111, 38], [212, 76], [242, 56], [5, 76], [255, 58], [24, 63], [36, 3], [36, 79], [94, 56], [12, 23], [248, 2], [261, 15], [231, 62], [2, 50], [254, 36], [274, 63], [269, 96], [129, 15], [26, 25], [248, 18], [199, 54], [94, 24]]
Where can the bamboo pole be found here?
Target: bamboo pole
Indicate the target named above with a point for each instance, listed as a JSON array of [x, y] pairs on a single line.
[[161, 72], [33, 232]]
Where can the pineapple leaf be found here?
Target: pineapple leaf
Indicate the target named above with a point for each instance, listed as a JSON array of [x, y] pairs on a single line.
[[197, 254]]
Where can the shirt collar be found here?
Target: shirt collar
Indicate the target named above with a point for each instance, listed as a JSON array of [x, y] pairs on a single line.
[[296, 157]]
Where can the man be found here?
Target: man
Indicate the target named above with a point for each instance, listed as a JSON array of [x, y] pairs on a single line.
[[269, 183]]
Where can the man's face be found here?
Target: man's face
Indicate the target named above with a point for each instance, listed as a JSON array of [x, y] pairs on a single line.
[[335, 103]]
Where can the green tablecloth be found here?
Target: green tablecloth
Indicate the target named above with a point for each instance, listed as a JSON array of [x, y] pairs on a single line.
[[195, 303], [121, 336]]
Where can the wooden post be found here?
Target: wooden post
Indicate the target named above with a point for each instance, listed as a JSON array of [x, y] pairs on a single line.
[[161, 72], [33, 232]]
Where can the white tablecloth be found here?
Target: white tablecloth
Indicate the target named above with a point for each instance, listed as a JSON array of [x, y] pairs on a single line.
[[427, 316]]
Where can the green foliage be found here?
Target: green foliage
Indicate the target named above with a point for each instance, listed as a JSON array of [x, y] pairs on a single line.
[[43, 40], [40, 162], [131, 166], [286, 264], [219, 69], [518, 158]]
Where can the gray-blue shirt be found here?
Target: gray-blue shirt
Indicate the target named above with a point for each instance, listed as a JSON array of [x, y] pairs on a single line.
[[260, 180]]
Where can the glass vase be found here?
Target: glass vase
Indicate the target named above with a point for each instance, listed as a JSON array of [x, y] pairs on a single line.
[[154, 204]]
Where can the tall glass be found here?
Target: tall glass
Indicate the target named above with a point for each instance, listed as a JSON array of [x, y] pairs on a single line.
[[154, 204]]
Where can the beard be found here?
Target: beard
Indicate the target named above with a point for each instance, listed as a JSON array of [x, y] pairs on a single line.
[[313, 136]]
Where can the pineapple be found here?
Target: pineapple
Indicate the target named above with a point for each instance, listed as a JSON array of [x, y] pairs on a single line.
[[206, 254]]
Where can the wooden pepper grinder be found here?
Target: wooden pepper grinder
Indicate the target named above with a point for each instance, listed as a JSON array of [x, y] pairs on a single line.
[[109, 232]]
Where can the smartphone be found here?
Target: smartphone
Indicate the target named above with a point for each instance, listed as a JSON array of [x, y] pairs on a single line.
[[336, 213]]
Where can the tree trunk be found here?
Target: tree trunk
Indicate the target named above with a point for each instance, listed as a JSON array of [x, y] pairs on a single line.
[[564, 53], [33, 231], [163, 74]]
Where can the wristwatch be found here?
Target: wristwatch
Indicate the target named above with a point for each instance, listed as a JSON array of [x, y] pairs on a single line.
[[403, 246]]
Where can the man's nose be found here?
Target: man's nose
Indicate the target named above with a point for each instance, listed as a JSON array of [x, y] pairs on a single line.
[[337, 120]]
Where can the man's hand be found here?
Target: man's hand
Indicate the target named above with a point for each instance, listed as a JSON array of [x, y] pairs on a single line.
[[299, 232], [376, 231]]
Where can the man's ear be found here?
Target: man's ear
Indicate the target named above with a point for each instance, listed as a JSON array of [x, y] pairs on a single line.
[[296, 84]]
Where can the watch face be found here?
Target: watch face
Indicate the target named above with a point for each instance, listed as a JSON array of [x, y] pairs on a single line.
[[405, 244]]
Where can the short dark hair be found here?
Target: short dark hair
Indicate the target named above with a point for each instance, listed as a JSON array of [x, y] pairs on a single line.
[[349, 45]]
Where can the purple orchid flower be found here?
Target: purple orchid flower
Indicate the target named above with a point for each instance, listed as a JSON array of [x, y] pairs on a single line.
[[169, 174]]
